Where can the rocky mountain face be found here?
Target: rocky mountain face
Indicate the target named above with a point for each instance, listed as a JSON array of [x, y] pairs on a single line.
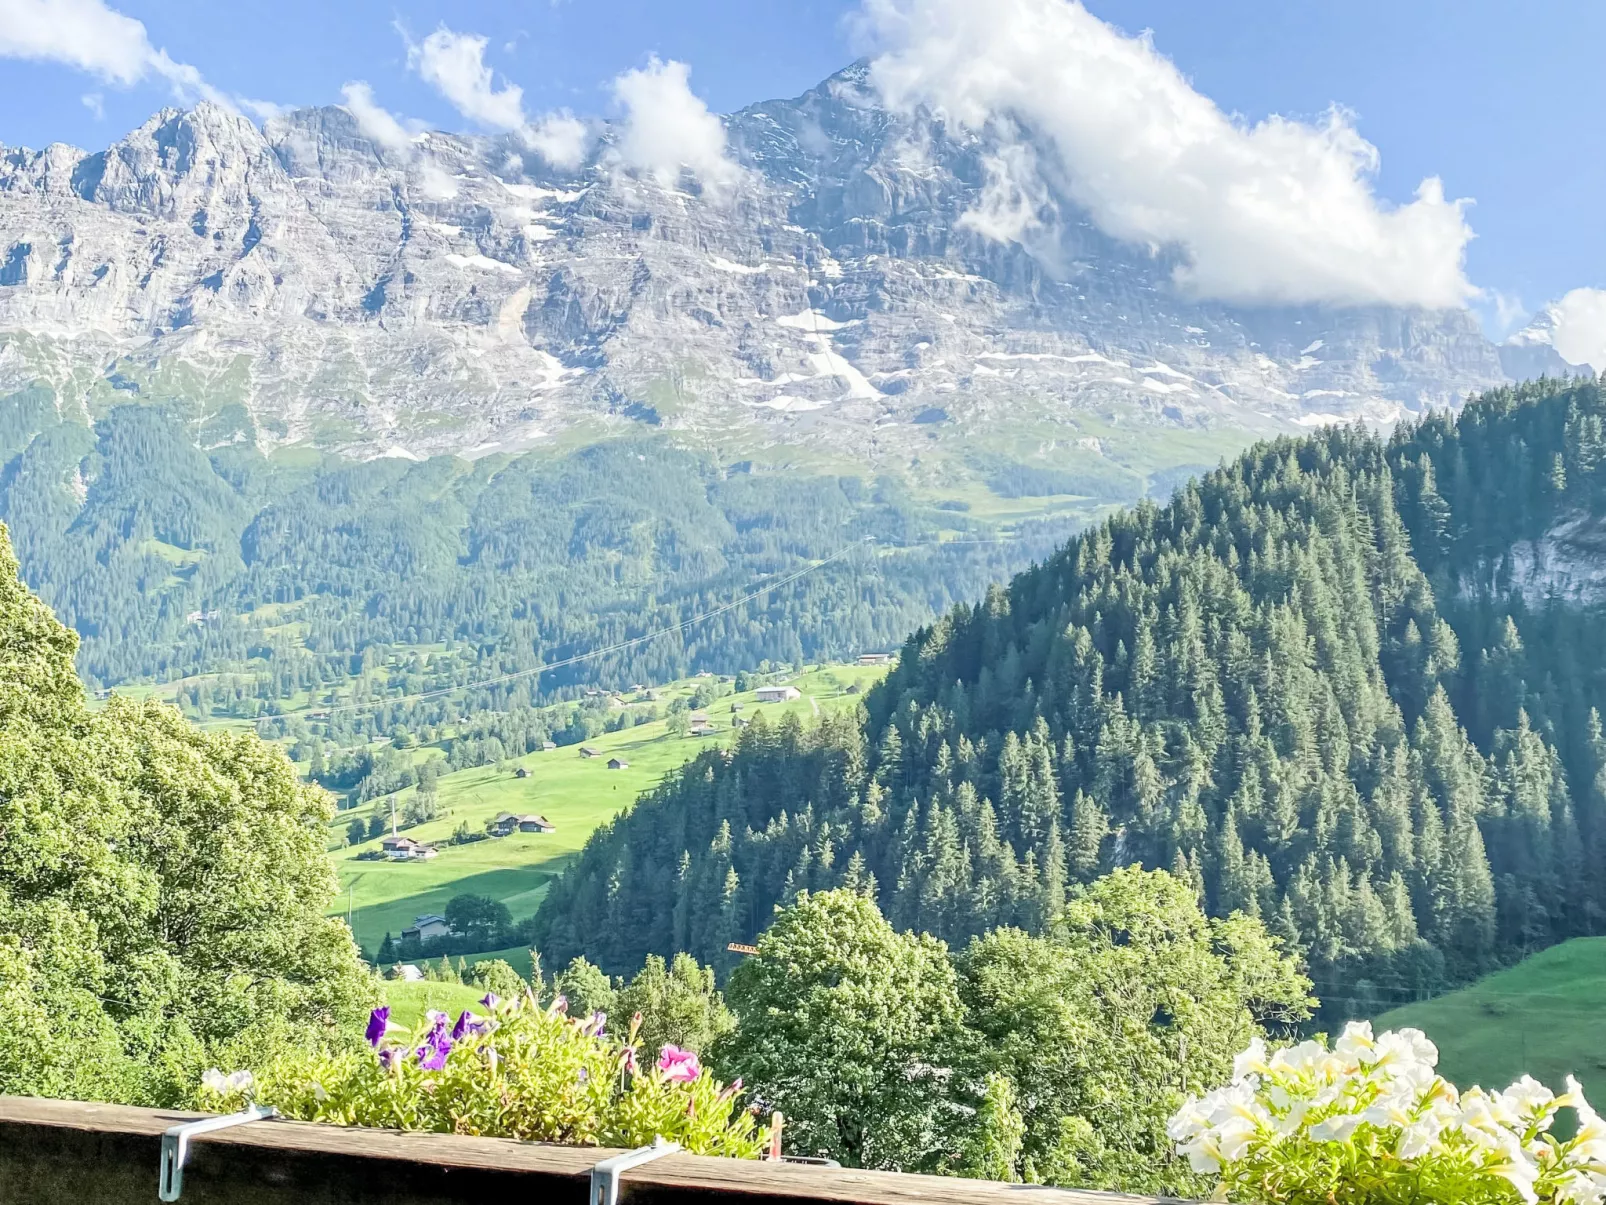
[[301, 283]]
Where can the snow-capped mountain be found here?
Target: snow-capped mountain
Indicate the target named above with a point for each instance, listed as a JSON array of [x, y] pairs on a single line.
[[302, 283]]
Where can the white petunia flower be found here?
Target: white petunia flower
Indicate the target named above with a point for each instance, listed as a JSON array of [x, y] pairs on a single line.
[[1356, 1041], [1251, 1062], [1337, 1128]]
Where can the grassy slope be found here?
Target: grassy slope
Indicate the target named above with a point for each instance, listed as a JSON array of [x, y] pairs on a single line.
[[409, 1001], [1543, 1017], [577, 794]]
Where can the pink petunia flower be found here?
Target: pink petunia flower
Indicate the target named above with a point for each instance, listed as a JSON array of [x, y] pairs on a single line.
[[679, 1066]]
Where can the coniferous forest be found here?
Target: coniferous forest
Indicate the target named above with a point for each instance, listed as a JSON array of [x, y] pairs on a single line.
[[174, 552], [1350, 685]]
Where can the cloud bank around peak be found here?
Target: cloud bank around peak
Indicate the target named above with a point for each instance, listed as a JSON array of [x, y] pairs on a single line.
[[376, 123], [1275, 212], [667, 127], [454, 65], [1578, 327]]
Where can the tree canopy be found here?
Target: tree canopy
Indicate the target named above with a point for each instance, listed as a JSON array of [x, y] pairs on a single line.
[[161, 889]]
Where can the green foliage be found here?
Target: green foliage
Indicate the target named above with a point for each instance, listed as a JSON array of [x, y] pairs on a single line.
[[478, 919], [852, 1031], [1103, 1027], [498, 978], [417, 576], [678, 1004], [1307, 685], [161, 890], [588, 990], [521, 1072], [995, 1148]]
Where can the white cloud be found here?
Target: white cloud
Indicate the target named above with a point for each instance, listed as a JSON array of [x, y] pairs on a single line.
[[88, 35], [1579, 327], [375, 122], [562, 139], [80, 33], [95, 103], [454, 65], [434, 182], [667, 127], [1280, 211]]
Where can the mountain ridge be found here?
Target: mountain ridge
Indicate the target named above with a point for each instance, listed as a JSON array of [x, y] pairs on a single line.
[[314, 287]]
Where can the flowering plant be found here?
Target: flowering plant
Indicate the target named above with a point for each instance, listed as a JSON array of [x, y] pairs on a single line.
[[1370, 1122], [517, 1071]]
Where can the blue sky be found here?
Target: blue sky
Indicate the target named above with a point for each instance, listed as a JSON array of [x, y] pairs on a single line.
[[1502, 100]]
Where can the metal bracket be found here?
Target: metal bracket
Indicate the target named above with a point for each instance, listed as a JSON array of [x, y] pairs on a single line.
[[176, 1146], [605, 1175]]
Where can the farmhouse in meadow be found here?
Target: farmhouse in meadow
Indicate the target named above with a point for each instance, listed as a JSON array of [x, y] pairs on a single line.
[[427, 928], [777, 694], [588, 751], [405, 849], [618, 763], [875, 658]]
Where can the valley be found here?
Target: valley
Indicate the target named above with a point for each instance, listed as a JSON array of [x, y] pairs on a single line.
[[577, 793], [981, 618]]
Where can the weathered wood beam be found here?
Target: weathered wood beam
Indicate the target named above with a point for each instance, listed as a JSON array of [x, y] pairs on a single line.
[[55, 1152]]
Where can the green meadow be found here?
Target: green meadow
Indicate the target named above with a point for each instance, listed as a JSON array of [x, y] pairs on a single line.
[[1543, 1017], [576, 793], [410, 1001]]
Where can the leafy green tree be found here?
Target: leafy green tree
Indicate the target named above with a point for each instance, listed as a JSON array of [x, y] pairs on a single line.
[[678, 1003], [478, 918], [497, 976], [852, 1030], [994, 1149], [356, 832], [1102, 1027], [162, 890], [588, 990]]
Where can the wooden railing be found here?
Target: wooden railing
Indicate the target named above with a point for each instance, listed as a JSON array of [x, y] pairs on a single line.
[[55, 1152]]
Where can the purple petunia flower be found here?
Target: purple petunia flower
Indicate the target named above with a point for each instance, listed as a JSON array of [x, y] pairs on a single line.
[[490, 999], [679, 1066], [560, 1004], [378, 1020], [628, 1060], [432, 1054], [437, 1043], [389, 1057], [467, 1023], [594, 1027]]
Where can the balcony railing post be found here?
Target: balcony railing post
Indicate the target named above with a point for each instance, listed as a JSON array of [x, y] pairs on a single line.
[[176, 1146]]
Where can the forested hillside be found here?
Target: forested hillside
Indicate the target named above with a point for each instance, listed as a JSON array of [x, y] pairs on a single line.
[[177, 548], [1345, 684]]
